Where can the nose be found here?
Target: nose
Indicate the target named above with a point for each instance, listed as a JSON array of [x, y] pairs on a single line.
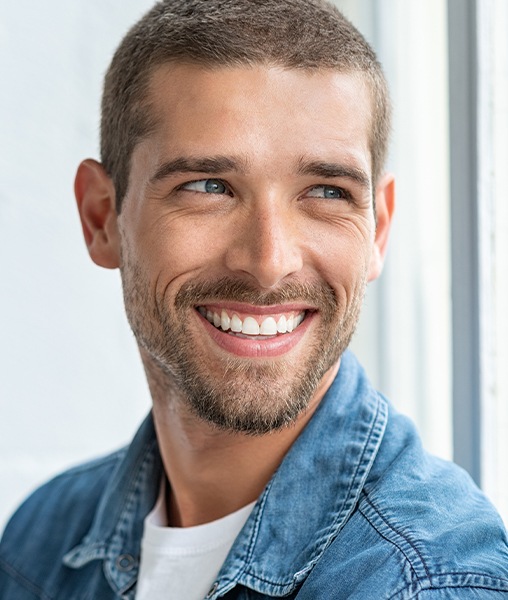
[[266, 244]]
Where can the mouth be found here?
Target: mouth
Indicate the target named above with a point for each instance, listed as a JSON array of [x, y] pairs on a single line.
[[253, 331], [252, 326]]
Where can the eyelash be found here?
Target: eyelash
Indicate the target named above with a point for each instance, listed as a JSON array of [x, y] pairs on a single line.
[[345, 195], [218, 181]]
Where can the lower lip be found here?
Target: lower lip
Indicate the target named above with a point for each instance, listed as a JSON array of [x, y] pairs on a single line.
[[267, 348]]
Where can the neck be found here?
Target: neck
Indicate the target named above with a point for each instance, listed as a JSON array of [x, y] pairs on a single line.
[[212, 472]]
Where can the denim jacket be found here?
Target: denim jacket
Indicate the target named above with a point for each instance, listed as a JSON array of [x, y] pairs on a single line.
[[356, 510]]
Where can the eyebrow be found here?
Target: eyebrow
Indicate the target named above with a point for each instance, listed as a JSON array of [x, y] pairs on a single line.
[[207, 164], [225, 164], [330, 170]]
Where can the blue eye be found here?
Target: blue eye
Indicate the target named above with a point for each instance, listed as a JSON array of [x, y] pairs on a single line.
[[327, 191], [206, 186]]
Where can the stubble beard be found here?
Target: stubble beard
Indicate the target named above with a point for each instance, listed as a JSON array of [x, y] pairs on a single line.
[[245, 396]]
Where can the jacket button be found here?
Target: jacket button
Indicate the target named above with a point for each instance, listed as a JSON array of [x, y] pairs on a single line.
[[213, 589], [125, 563]]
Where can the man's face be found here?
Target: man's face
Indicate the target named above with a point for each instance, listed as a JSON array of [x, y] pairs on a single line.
[[247, 236]]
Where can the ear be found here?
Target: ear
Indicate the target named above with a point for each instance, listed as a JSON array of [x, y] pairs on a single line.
[[95, 196], [385, 205]]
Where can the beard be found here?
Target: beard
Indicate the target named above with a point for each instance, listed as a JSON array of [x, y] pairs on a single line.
[[241, 395]]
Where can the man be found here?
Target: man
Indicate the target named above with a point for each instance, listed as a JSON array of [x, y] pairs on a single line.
[[242, 195]]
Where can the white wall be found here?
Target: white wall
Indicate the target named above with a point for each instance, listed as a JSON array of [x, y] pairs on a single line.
[[405, 334], [493, 224], [71, 384]]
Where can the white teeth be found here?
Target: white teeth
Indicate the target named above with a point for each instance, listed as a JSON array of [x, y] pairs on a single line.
[[236, 324], [268, 327], [225, 321], [250, 326], [282, 325]]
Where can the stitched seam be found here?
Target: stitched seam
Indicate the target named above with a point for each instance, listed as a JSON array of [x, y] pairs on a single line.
[[252, 544], [19, 578], [487, 586], [127, 500], [364, 451], [392, 542], [472, 573], [375, 430], [473, 586], [455, 586], [399, 533], [243, 568], [351, 499]]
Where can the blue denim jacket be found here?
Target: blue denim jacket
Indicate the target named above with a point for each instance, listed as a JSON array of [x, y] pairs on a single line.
[[356, 510]]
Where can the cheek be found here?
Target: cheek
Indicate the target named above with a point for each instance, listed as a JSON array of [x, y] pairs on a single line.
[[343, 253], [342, 260], [175, 252]]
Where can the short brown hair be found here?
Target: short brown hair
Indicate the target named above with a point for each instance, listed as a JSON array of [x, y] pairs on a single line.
[[298, 34]]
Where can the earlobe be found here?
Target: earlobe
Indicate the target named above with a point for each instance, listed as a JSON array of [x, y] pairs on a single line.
[[95, 196], [385, 205]]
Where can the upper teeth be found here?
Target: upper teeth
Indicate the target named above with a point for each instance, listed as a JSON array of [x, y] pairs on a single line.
[[249, 325]]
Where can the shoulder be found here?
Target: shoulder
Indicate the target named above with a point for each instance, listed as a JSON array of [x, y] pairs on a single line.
[[54, 519], [442, 531], [421, 529], [431, 514]]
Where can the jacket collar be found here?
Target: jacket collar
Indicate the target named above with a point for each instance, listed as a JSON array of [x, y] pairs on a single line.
[[116, 532], [314, 491], [303, 508]]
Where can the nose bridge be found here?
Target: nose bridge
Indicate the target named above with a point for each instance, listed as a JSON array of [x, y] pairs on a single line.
[[267, 247]]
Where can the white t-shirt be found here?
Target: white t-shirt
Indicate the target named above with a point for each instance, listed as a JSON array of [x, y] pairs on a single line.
[[182, 563]]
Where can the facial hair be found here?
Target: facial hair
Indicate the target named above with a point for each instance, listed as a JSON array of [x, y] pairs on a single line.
[[245, 396]]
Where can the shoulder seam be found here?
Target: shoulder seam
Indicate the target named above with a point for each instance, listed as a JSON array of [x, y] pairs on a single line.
[[485, 582], [392, 541], [21, 580]]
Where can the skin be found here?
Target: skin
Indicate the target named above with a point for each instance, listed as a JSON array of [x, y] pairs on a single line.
[[281, 220]]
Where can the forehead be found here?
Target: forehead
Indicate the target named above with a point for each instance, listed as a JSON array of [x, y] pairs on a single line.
[[260, 110]]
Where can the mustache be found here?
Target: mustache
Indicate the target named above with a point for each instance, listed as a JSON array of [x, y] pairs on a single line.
[[316, 294]]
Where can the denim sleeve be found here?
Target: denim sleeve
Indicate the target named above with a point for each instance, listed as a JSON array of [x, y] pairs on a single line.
[[10, 589]]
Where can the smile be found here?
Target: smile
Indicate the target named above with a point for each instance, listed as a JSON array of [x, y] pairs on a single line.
[[252, 325]]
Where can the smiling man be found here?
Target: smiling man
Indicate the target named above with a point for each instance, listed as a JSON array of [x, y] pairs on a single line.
[[242, 195]]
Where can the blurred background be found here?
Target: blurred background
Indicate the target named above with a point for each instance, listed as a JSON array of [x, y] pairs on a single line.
[[434, 333]]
